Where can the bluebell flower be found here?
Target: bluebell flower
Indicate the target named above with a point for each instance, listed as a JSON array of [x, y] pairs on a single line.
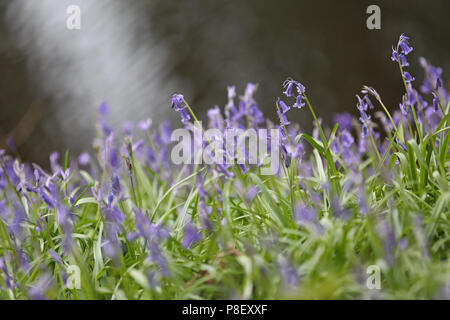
[[403, 61], [215, 118], [231, 92], [55, 256], [298, 151], [251, 193], [157, 257], [191, 236], [116, 188], [179, 105], [103, 109], [289, 86], [403, 44], [346, 139], [432, 76], [7, 277], [284, 107], [401, 144], [364, 117], [84, 158], [289, 275], [408, 77], [299, 101], [127, 128], [307, 217], [438, 84], [48, 199], [283, 119], [411, 96], [39, 289], [144, 125], [65, 222], [54, 164], [394, 56], [403, 108], [344, 120], [10, 143], [435, 102], [387, 238]]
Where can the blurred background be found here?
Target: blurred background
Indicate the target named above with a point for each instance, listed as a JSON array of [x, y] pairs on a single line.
[[135, 54]]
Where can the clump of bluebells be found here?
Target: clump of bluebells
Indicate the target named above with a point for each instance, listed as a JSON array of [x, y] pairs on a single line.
[[125, 222]]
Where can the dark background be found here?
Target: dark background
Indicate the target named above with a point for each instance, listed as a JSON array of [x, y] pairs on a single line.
[[214, 43]]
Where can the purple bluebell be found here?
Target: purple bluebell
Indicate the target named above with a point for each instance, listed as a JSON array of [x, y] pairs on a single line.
[[403, 61], [144, 125], [299, 102], [3, 181], [39, 289], [432, 76], [387, 237], [339, 211], [147, 230], [438, 84], [103, 109], [286, 155], [411, 96], [215, 118], [115, 184], [403, 108], [284, 107], [3, 208], [364, 118], [408, 77], [289, 275], [307, 217], [394, 56], [283, 119], [249, 107], [344, 120], [55, 256], [362, 205], [157, 257], [402, 243], [65, 174], [289, 87], [435, 102], [251, 193], [54, 164], [404, 45], [65, 218], [191, 236], [84, 158], [370, 90], [231, 92], [127, 128], [346, 139], [298, 151], [47, 197], [179, 105], [165, 130], [10, 143], [7, 277], [401, 144], [204, 212]]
